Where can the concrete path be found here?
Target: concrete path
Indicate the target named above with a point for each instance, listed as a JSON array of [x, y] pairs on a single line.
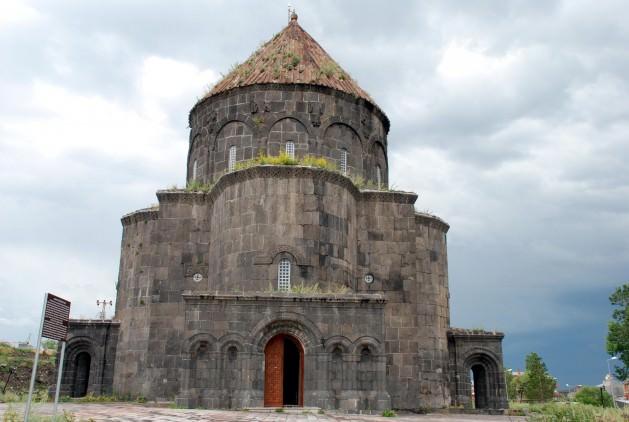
[[136, 412]]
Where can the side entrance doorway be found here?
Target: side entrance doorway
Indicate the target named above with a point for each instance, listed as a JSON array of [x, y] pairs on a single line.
[[283, 372]]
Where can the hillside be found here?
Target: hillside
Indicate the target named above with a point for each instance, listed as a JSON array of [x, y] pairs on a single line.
[[22, 361]]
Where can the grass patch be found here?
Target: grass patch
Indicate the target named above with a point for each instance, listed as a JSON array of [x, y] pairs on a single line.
[[388, 413], [279, 410], [197, 186], [569, 412], [309, 289]]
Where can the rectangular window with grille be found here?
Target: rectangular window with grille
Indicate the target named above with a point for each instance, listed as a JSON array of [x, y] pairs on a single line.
[[344, 162], [232, 158], [283, 275], [290, 149]]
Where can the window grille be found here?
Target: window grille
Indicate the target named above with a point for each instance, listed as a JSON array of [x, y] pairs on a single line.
[[344, 162], [290, 149], [283, 275], [378, 176], [232, 158], [194, 170]]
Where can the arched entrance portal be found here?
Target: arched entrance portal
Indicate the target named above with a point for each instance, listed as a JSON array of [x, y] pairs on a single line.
[[81, 374], [481, 390], [283, 372]]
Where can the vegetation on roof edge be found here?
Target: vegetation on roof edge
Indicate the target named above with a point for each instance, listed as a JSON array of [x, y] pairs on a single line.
[[284, 159]]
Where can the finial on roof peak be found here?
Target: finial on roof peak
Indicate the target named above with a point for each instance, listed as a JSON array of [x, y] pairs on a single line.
[[292, 15]]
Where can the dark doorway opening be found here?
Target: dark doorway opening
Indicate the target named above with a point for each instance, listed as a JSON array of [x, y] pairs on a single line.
[[283, 375], [292, 358], [81, 374], [479, 377]]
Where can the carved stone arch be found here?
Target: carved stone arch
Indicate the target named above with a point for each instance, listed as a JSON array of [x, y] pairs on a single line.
[[480, 352], [191, 343], [239, 118], [235, 340], [333, 120], [281, 116], [373, 344], [374, 145], [342, 342], [287, 127], [194, 144], [78, 374], [487, 380], [297, 325], [270, 256]]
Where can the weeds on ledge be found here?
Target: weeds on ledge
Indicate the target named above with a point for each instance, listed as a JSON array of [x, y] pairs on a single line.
[[333, 288], [196, 186]]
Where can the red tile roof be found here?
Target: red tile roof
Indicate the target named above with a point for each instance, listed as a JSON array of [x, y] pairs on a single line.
[[290, 57]]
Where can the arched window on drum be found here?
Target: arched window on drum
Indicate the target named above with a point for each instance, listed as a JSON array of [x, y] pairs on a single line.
[[232, 158], [343, 162], [289, 149], [283, 275]]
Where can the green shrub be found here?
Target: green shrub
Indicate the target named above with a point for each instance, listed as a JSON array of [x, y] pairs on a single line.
[[279, 410], [594, 396], [141, 399], [388, 413]]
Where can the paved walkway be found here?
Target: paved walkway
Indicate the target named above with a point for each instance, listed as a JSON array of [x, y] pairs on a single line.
[[136, 412]]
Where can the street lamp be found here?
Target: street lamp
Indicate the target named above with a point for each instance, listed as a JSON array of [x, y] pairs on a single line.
[[609, 369]]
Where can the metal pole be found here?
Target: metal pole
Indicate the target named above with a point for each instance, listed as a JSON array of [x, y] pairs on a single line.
[[54, 408], [34, 371]]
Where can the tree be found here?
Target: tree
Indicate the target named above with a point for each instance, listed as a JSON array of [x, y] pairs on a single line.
[[514, 386], [618, 334], [594, 396], [537, 383]]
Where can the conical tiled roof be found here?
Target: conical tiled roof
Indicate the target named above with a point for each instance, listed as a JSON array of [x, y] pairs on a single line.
[[291, 57]]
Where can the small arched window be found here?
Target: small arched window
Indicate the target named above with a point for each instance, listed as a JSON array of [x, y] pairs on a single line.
[[232, 353], [290, 149], [283, 275], [379, 176], [343, 162], [232, 158], [194, 170]]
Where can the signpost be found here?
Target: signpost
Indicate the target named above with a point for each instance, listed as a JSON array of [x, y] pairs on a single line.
[[54, 325]]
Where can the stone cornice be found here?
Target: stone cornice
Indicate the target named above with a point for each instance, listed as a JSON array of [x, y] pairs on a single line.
[[93, 322], [432, 221], [138, 216], [474, 334], [267, 171], [257, 297]]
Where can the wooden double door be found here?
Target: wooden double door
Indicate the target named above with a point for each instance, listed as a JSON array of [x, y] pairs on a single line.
[[283, 372]]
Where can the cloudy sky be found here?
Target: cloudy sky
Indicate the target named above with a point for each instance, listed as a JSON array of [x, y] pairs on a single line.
[[510, 119]]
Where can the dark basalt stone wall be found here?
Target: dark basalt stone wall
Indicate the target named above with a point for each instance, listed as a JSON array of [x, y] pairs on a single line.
[[262, 118]]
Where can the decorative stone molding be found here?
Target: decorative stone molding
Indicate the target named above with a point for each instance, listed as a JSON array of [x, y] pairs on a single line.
[[145, 214], [432, 221]]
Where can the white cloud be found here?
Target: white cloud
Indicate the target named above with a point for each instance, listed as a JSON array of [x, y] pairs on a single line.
[[17, 12]]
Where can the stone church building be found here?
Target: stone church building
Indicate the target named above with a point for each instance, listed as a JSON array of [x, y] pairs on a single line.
[[303, 282]]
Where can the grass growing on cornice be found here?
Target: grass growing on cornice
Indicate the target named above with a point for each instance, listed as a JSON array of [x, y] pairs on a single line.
[[284, 159], [197, 186], [309, 289]]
